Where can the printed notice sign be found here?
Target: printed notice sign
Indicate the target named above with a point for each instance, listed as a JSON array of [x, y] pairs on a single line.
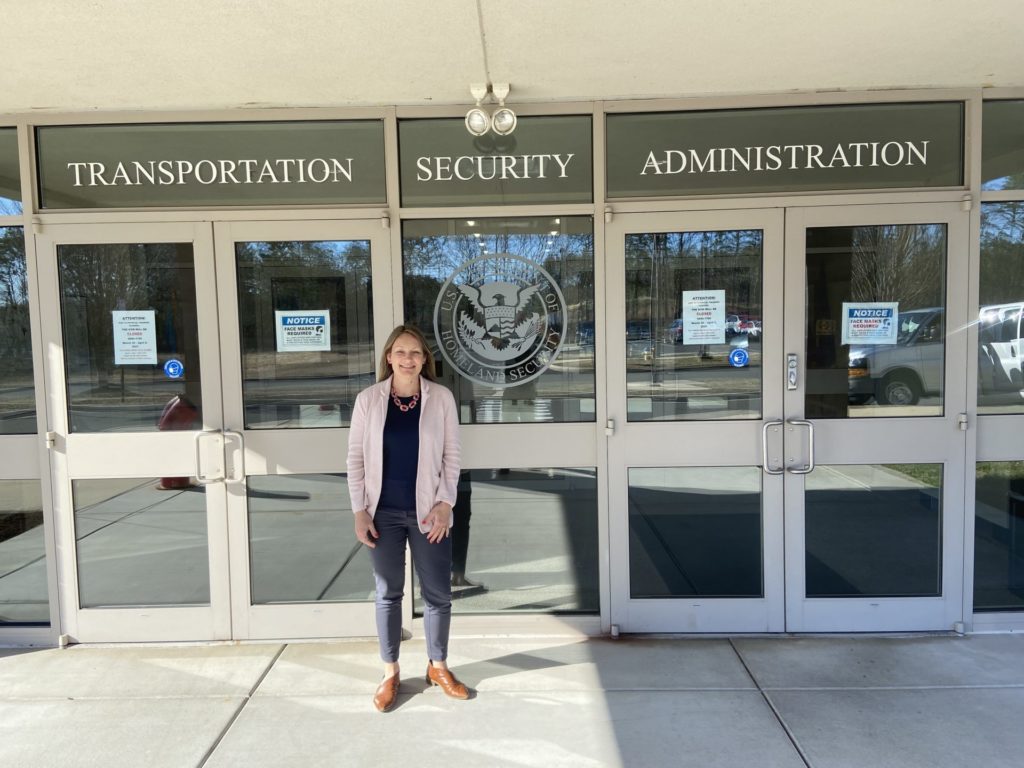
[[704, 317], [874, 322], [134, 337], [303, 330]]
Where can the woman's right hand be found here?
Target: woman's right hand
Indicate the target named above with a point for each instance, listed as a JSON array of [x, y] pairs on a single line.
[[365, 529]]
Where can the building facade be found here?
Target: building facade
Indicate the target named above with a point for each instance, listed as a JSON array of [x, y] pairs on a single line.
[[724, 364]]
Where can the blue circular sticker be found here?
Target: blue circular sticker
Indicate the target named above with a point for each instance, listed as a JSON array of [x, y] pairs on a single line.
[[738, 358], [174, 369]]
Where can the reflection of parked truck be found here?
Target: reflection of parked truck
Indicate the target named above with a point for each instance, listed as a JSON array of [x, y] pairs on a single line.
[[898, 374], [901, 373], [1001, 347]]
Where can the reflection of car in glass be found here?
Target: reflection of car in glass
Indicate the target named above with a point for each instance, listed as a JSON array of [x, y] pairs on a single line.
[[638, 339], [752, 328], [585, 334], [638, 330], [900, 373], [1001, 347], [674, 333], [732, 325]]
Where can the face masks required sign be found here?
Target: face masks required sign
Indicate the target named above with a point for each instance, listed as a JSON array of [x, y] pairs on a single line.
[[875, 322], [134, 337], [303, 331]]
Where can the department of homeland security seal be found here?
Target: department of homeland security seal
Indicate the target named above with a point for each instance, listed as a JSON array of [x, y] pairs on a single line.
[[499, 320]]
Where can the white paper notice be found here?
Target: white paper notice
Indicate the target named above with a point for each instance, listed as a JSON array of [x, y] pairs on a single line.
[[872, 322], [303, 330], [704, 317], [134, 337]]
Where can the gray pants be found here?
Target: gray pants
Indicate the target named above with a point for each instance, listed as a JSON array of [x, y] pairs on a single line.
[[433, 564]]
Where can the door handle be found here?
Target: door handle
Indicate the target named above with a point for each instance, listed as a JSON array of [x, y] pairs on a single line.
[[764, 448], [237, 469], [201, 477], [810, 447]]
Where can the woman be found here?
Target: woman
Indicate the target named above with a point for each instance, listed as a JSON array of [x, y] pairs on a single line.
[[403, 473]]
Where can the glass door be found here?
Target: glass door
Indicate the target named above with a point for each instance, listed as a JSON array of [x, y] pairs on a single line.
[[695, 370], [201, 382], [133, 376], [509, 302], [304, 310], [875, 436]]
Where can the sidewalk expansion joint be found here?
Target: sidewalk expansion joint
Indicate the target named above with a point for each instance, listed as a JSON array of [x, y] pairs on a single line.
[[950, 687], [771, 705], [123, 697], [241, 706]]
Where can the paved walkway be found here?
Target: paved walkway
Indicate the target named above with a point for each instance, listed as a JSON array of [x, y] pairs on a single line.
[[545, 702]]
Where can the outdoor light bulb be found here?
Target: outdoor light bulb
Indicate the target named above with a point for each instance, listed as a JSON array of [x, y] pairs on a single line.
[[503, 122], [477, 121]]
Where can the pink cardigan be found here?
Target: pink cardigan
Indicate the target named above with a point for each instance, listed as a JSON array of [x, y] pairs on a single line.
[[437, 471]]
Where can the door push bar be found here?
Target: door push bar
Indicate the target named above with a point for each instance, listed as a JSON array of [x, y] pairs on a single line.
[[201, 477], [809, 467], [237, 468], [764, 447]]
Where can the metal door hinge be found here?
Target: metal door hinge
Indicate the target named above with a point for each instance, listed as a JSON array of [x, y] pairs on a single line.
[[961, 422], [51, 440], [609, 428], [385, 220]]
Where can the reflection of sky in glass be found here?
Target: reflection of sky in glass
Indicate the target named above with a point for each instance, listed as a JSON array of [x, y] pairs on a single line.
[[438, 248], [9, 207]]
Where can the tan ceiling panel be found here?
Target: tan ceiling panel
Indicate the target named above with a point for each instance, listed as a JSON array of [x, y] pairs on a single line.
[[66, 55], [653, 48]]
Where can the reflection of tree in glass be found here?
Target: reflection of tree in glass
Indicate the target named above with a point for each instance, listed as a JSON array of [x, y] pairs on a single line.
[[660, 266], [15, 334], [434, 250], [1002, 252], [98, 279], [304, 275], [904, 263], [430, 261]]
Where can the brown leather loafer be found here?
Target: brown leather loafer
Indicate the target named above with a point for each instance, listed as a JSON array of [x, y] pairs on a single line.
[[387, 694], [447, 682]]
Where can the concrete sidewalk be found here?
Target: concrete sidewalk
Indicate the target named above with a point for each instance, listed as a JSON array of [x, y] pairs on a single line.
[[824, 702]]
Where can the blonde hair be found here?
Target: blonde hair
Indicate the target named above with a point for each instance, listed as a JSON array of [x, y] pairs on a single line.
[[429, 371]]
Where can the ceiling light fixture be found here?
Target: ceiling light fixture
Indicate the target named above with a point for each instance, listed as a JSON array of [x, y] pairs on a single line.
[[478, 121], [504, 120]]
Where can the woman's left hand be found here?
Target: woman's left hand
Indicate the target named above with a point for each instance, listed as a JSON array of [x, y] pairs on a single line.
[[439, 520]]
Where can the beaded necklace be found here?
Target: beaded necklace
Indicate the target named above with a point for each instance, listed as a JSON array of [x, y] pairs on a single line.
[[402, 406]]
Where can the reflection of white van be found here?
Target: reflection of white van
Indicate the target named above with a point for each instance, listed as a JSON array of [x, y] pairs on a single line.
[[1001, 347], [900, 373]]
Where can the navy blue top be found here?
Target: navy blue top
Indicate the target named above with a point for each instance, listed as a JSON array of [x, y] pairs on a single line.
[[401, 456]]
